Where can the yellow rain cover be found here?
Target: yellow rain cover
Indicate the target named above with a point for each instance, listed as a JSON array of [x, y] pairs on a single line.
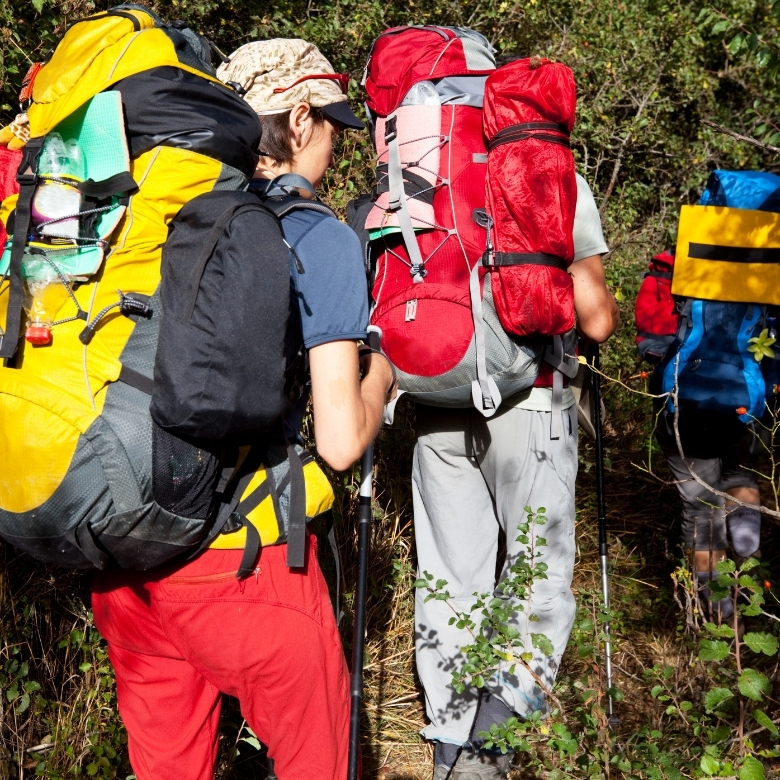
[[726, 254]]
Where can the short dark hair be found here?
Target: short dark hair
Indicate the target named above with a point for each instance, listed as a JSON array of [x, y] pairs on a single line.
[[275, 140]]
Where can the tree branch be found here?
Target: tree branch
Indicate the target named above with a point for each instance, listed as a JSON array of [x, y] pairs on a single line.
[[746, 138], [619, 160]]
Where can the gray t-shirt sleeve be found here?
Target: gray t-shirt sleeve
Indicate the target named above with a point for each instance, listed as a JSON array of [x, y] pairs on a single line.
[[588, 235]]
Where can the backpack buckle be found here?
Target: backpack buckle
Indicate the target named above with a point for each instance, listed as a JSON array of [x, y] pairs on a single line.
[[391, 132]]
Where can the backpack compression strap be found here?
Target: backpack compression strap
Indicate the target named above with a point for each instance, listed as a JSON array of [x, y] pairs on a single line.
[[526, 130], [27, 177], [563, 365]]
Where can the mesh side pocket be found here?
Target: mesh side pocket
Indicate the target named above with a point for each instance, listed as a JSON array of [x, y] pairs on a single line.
[[184, 473]]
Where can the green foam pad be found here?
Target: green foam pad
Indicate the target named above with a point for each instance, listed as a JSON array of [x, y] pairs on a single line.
[[99, 127], [83, 261]]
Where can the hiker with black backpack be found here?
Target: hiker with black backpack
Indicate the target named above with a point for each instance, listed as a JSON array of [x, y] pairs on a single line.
[[157, 320], [485, 244], [706, 316], [283, 658]]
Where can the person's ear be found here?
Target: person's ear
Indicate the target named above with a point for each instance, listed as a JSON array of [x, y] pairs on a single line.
[[300, 125]]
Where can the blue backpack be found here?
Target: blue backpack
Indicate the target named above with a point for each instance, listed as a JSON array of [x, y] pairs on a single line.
[[716, 370]]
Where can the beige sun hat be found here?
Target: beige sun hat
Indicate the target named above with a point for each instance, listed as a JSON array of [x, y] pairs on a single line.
[[277, 74]]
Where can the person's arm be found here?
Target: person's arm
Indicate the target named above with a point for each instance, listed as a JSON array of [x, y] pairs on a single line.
[[347, 411], [594, 304]]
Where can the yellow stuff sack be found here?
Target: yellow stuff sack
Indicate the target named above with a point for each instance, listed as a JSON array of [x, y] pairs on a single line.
[[728, 254], [75, 452]]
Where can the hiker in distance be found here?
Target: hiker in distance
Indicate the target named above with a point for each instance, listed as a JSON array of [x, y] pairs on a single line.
[[487, 246], [180, 638], [709, 326]]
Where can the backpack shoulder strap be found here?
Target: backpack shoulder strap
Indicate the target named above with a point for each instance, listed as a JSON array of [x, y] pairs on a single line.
[[282, 195]]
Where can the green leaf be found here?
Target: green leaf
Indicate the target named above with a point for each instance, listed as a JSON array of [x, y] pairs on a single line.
[[764, 720], [92, 769], [543, 643], [85, 667], [736, 43], [761, 643], [253, 741], [656, 690], [721, 26], [751, 769], [38, 5], [23, 704], [753, 684], [722, 631], [709, 765], [715, 697], [713, 650]]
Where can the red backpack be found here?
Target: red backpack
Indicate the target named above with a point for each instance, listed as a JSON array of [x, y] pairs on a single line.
[[656, 314], [428, 226]]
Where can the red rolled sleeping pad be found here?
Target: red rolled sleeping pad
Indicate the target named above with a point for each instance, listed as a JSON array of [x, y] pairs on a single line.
[[531, 195]]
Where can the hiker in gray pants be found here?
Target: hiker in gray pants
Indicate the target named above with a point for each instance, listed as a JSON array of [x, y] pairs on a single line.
[[471, 477]]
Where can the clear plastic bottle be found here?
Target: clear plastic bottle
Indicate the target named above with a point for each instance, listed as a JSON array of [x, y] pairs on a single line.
[[423, 93], [46, 294], [57, 200]]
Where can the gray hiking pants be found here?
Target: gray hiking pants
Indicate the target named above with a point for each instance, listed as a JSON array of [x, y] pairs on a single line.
[[472, 475], [704, 516]]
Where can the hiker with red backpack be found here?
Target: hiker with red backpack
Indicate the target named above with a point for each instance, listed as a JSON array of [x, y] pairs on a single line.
[[709, 328], [486, 249]]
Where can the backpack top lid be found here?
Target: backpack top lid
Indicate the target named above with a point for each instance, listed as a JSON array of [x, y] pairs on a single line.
[[756, 190], [529, 90], [664, 258], [402, 56], [97, 51]]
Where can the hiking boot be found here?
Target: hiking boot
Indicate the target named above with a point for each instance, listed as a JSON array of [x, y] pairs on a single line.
[[477, 765]]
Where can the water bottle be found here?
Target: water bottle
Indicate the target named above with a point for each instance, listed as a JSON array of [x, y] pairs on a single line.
[[57, 200], [423, 93], [46, 292]]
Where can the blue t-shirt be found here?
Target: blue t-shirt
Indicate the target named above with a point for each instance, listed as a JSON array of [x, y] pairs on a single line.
[[330, 299]]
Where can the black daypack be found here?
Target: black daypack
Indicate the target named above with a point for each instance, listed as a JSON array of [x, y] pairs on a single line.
[[222, 369], [214, 378]]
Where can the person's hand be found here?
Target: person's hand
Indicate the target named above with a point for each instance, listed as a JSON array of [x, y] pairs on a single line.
[[378, 365]]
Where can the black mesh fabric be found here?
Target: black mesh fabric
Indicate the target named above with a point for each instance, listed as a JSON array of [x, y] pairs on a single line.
[[184, 474]]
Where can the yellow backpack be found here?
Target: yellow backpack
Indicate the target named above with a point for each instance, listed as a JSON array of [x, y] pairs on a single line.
[[74, 386]]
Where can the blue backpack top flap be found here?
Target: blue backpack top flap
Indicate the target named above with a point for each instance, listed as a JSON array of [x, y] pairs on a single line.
[[756, 190]]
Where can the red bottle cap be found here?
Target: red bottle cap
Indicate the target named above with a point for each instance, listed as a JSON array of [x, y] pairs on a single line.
[[38, 334]]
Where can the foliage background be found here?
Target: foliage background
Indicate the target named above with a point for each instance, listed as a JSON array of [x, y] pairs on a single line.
[[648, 73]]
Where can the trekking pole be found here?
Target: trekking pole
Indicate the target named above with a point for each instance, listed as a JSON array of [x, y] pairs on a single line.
[[361, 588], [612, 719]]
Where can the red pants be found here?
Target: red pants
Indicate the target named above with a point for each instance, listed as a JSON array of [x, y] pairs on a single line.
[[180, 640]]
